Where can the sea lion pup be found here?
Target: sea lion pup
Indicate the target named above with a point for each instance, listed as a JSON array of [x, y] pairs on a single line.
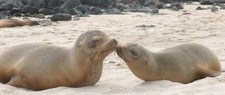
[[183, 63], [39, 67], [15, 22]]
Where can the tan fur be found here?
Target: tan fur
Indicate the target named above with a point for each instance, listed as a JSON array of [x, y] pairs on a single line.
[[14, 23], [183, 63], [38, 66]]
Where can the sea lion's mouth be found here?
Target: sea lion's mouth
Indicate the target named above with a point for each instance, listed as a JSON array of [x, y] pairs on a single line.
[[119, 51], [106, 49], [111, 45]]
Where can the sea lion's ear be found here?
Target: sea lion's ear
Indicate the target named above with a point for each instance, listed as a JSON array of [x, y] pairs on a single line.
[[80, 44], [146, 62]]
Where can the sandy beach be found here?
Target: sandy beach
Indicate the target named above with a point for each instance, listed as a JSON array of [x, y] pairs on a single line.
[[154, 32]]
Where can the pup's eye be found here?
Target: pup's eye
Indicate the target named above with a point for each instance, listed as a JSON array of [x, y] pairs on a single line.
[[135, 56], [95, 41]]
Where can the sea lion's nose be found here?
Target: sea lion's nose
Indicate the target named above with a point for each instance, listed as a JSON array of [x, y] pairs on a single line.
[[115, 42]]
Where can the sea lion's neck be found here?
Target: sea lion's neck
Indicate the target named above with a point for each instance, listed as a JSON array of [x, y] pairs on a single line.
[[164, 62], [90, 68], [153, 65]]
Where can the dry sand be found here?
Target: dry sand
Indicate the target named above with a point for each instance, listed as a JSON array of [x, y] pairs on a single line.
[[161, 31]]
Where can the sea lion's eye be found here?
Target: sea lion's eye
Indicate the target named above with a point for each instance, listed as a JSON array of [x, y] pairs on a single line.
[[95, 40], [134, 54], [93, 43]]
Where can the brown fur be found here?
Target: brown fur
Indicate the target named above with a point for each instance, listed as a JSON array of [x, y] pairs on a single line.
[[14, 23], [38, 66], [183, 63]]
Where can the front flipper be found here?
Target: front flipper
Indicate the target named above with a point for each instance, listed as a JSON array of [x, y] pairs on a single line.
[[17, 82]]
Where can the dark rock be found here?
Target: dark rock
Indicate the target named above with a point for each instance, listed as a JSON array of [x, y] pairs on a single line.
[[75, 11], [206, 2], [135, 5], [46, 11], [214, 9], [122, 6], [159, 5], [25, 2], [113, 11], [176, 6], [28, 9], [14, 3], [98, 3], [27, 15], [186, 13], [54, 3], [69, 4], [5, 13], [14, 10], [118, 64], [112, 62], [7, 7], [24, 9], [57, 10], [155, 11], [125, 1], [61, 17], [33, 10], [83, 9], [145, 26], [151, 3], [222, 7], [172, 1], [144, 9], [210, 2], [2, 16], [36, 3], [147, 2], [200, 8], [10, 4], [17, 14], [39, 16], [95, 10]]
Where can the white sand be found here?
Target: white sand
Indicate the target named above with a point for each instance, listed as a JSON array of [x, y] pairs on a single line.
[[202, 27]]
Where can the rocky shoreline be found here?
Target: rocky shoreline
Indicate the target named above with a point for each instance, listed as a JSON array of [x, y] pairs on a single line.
[[63, 10]]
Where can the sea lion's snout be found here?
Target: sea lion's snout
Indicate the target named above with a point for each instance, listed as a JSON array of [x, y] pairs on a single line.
[[114, 42], [119, 51]]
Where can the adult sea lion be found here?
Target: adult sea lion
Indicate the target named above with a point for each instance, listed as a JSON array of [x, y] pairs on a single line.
[[39, 67], [15, 22], [183, 63]]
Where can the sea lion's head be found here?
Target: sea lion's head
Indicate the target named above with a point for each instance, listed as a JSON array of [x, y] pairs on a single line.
[[137, 58], [133, 54], [95, 44]]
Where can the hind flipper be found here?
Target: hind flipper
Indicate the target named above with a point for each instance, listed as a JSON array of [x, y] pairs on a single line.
[[203, 70]]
